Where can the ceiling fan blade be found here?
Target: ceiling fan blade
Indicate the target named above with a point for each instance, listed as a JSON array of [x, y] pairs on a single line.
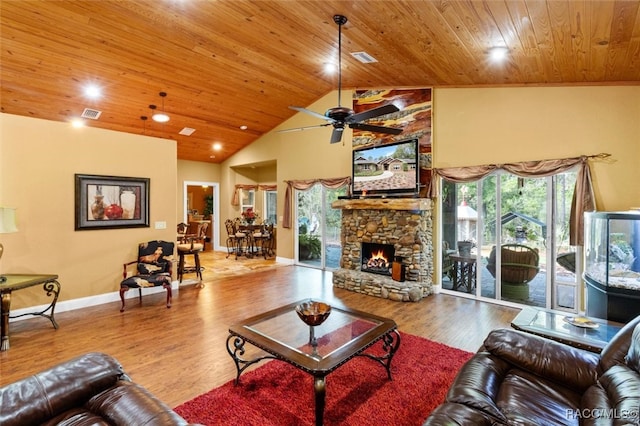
[[375, 112], [336, 135], [308, 111], [300, 129], [376, 129]]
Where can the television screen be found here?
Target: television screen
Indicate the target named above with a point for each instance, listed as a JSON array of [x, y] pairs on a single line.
[[388, 169]]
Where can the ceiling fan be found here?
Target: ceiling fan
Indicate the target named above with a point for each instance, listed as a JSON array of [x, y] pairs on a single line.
[[342, 116]]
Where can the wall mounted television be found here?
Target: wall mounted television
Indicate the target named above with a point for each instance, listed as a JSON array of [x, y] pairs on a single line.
[[390, 169]]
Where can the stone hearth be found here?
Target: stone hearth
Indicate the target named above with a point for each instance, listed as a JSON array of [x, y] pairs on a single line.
[[404, 222]]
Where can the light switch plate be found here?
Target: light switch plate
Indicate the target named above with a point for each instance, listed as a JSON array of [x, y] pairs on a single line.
[[161, 225]]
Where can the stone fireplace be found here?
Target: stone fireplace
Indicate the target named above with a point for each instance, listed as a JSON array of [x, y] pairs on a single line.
[[405, 224]]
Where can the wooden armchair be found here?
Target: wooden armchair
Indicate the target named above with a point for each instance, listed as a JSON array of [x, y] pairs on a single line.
[[519, 265], [153, 269]]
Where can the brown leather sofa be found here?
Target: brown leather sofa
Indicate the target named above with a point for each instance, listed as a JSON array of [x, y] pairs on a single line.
[[91, 389], [521, 379]]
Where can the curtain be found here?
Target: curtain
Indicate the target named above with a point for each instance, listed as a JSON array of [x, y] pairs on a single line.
[[303, 185], [583, 197], [235, 200], [267, 187]]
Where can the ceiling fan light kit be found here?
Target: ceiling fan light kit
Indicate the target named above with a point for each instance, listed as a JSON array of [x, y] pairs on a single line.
[[341, 116]]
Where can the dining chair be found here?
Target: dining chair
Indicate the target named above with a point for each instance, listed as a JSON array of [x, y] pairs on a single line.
[[236, 240]]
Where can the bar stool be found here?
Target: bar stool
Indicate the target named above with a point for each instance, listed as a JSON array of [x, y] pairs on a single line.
[[189, 246]]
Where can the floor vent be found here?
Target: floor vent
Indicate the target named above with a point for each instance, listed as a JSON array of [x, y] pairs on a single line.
[[91, 114]]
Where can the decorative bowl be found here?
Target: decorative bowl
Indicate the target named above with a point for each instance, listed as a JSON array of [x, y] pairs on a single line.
[[312, 312]]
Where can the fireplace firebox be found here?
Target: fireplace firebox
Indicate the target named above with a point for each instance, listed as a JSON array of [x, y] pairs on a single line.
[[376, 258]]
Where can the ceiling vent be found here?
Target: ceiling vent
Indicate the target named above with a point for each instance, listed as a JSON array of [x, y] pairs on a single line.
[[92, 114], [364, 57], [187, 131]]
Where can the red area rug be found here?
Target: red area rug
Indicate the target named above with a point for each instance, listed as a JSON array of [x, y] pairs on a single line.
[[357, 393]]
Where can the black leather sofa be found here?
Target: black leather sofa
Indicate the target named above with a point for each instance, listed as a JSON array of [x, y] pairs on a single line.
[[92, 389], [521, 379]]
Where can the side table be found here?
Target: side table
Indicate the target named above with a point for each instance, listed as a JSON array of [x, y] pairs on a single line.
[[463, 272], [552, 325], [50, 285]]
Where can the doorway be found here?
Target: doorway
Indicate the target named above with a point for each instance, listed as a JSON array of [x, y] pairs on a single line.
[[318, 229], [518, 232], [200, 198]]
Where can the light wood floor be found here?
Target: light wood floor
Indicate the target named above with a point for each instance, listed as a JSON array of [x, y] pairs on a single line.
[[179, 353]]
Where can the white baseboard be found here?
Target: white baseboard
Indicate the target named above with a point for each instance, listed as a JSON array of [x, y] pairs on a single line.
[[99, 299], [85, 302]]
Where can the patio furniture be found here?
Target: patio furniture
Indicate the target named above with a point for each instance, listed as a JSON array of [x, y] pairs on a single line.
[[519, 265]]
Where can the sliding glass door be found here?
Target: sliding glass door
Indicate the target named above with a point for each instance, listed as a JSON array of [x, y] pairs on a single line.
[[518, 231], [318, 230]]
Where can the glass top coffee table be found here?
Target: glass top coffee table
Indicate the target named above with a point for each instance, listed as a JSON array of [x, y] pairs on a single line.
[[592, 335], [317, 350]]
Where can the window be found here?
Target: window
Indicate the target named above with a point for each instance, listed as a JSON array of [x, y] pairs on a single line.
[[270, 206], [521, 216], [247, 199]]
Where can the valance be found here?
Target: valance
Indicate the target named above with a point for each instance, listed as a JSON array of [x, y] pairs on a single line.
[[303, 185], [235, 200], [583, 197]]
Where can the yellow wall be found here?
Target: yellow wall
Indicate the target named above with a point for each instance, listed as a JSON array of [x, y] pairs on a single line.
[[500, 125], [477, 126], [471, 126], [194, 171], [299, 155], [37, 167]]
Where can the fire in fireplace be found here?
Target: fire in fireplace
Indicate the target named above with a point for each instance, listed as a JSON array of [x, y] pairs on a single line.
[[376, 258]]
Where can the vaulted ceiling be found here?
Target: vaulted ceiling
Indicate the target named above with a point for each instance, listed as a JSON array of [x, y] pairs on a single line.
[[231, 63]]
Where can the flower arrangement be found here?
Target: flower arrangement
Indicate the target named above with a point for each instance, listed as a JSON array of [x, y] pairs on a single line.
[[249, 215]]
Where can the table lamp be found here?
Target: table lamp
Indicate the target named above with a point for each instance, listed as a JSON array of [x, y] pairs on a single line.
[[7, 226]]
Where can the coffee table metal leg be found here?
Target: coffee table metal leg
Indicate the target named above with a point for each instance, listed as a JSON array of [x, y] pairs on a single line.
[[320, 391], [235, 347], [390, 344]]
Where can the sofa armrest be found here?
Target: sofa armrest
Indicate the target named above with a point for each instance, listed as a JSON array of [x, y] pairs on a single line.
[[571, 367], [35, 399], [128, 403]]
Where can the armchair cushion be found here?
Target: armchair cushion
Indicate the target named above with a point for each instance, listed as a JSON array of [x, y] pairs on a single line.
[[555, 361], [155, 257], [142, 281]]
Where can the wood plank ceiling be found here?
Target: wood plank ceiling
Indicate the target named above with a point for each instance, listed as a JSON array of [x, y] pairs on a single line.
[[231, 63]]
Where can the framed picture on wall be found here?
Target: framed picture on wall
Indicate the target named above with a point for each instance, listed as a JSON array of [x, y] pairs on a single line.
[[103, 202]]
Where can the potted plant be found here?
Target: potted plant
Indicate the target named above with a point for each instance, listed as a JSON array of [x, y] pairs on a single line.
[[309, 247]]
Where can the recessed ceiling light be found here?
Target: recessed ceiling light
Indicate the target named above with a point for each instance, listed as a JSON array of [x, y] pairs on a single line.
[[498, 53], [330, 67], [77, 123], [243, 127], [92, 91], [217, 146]]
